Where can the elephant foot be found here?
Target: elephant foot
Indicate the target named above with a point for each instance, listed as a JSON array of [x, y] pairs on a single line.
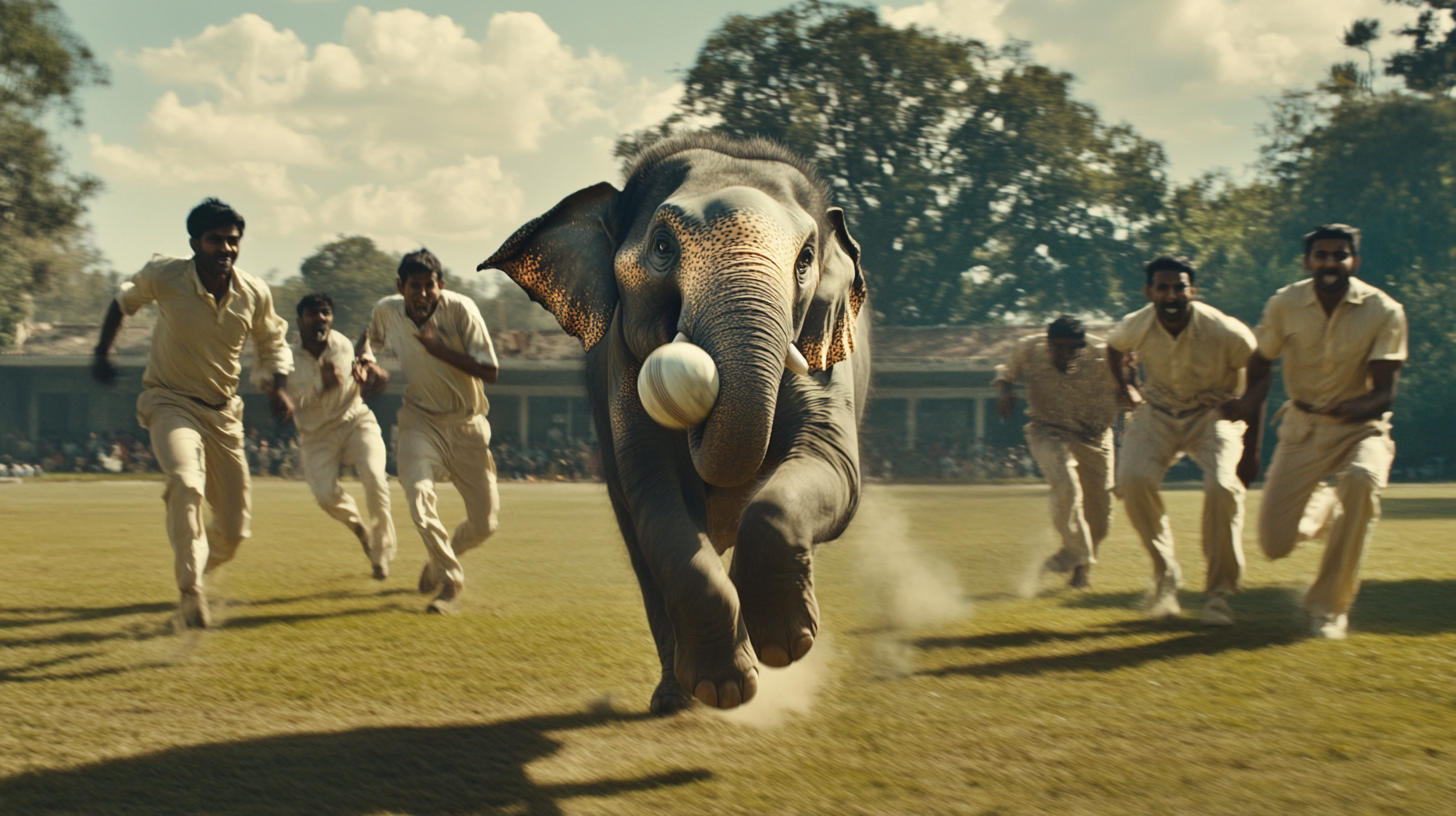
[[781, 613], [720, 672], [775, 583], [669, 698]]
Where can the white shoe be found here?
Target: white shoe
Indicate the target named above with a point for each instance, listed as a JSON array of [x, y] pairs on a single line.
[[1329, 627], [1217, 612], [1164, 601]]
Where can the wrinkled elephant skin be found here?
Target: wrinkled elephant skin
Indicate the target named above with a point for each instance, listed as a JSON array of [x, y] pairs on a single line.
[[734, 245]]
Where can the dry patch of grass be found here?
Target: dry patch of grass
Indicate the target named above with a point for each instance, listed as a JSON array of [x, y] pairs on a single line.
[[938, 687]]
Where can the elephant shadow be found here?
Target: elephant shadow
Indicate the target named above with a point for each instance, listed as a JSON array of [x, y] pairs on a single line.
[[427, 771]]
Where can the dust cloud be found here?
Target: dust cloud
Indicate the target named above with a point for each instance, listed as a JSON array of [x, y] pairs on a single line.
[[786, 691], [909, 589]]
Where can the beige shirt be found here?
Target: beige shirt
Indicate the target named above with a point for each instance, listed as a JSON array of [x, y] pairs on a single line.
[[1082, 401], [317, 410], [1326, 357], [1202, 366], [436, 387], [197, 343]]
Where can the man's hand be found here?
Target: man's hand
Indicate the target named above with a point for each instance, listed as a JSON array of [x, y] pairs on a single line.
[[329, 374], [1238, 410], [280, 404], [1129, 397], [427, 338], [371, 376], [102, 369], [1006, 402]]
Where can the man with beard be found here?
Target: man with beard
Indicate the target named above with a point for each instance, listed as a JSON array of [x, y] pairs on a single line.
[[1193, 359], [335, 427], [207, 308], [1071, 400], [445, 353], [1343, 342]]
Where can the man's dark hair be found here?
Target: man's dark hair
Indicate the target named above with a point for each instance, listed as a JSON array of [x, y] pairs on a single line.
[[1333, 232], [210, 215], [1169, 263], [313, 301], [421, 260], [1066, 326]]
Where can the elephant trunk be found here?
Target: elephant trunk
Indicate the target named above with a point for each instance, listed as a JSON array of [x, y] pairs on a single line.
[[745, 326]]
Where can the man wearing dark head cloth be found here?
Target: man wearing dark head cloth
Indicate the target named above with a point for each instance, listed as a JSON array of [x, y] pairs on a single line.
[[1071, 400], [207, 308]]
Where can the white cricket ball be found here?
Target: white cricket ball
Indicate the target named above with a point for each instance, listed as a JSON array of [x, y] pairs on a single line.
[[678, 385]]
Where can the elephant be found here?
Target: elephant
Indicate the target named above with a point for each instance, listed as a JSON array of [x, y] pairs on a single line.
[[733, 245]]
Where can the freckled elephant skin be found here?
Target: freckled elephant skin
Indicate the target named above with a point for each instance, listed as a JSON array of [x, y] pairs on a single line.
[[733, 244]]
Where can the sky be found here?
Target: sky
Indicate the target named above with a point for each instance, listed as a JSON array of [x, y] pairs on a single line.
[[448, 124]]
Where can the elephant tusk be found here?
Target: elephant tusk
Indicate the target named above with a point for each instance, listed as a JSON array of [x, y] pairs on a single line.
[[795, 361], [681, 338]]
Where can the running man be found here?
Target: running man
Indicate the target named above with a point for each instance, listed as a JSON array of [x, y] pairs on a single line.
[[1343, 342], [207, 309], [335, 427], [445, 353], [1071, 400], [1193, 359]]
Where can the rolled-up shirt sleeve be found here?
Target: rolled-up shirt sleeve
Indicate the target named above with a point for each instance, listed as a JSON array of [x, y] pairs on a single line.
[[270, 337], [375, 336], [1270, 331], [1010, 371], [132, 295], [1390, 340], [477, 339]]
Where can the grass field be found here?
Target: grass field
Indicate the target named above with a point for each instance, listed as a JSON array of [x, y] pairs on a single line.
[[937, 687]]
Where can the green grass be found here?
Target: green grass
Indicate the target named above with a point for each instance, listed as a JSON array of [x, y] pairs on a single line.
[[937, 688]]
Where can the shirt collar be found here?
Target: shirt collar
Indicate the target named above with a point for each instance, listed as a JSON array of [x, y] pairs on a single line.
[[1356, 294]]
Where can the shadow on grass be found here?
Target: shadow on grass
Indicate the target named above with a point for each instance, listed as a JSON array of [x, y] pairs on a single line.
[[442, 771], [1268, 616], [1431, 508], [72, 614], [24, 674]]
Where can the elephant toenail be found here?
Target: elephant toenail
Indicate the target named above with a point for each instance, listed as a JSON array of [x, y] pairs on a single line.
[[803, 646], [707, 693], [731, 697], [774, 656]]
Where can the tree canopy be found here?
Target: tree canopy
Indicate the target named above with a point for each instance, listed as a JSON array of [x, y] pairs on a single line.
[[42, 66], [977, 187]]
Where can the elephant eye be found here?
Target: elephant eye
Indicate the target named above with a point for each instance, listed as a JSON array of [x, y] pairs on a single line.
[[805, 261]]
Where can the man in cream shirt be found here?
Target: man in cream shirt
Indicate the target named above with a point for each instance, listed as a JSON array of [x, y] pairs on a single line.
[[1071, 399], [1343, 342], [1193, 358], [207, 309], [335, 427], [445, 353]]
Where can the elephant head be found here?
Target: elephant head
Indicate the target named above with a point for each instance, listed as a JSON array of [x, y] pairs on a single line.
[[732, 243]]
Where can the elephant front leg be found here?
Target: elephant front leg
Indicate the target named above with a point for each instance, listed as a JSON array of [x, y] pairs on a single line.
[[809, 498]]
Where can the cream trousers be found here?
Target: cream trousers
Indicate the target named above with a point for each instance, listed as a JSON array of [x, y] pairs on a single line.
[[1079, 474], [358, 443], [201, 452], [1151, 444], [1311, 448], [457, 449]]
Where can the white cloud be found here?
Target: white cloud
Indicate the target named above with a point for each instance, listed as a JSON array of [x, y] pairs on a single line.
[[396, 131], [968, 18]]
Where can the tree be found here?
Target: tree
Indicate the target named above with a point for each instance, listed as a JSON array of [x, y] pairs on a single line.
[[1429, 66], [978, 189], [42, 66], [353, 272]]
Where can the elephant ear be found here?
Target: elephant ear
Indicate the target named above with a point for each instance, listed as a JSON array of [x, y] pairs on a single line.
[[828, 334], [564, 262]]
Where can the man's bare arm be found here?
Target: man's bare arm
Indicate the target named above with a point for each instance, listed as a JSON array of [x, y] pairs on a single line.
[[1250, 409], [1006, 399], [101, 367], [1128, 395]]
